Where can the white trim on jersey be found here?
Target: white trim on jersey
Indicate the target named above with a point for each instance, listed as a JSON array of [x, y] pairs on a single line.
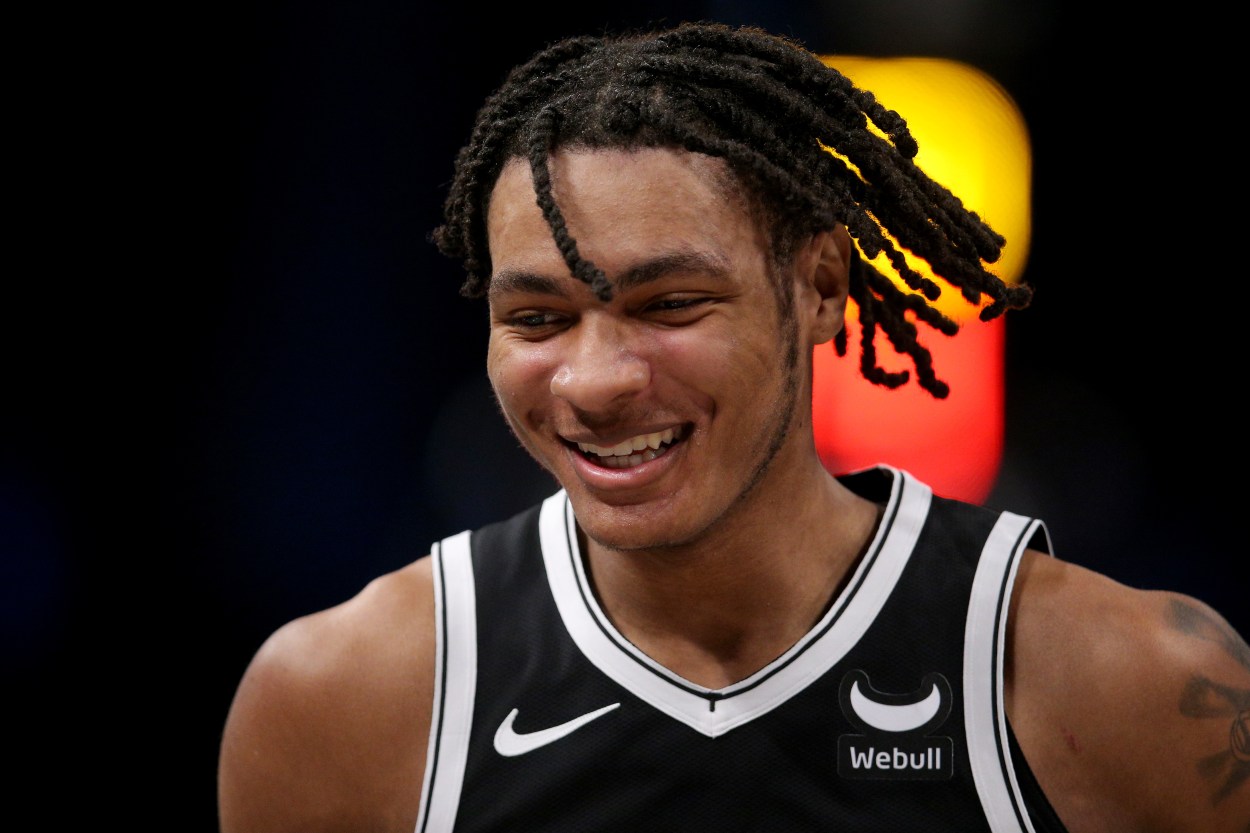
[[716, 711], [455, 684], [985, 642]]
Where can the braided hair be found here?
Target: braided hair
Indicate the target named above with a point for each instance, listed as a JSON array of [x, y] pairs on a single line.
[[810, 148]]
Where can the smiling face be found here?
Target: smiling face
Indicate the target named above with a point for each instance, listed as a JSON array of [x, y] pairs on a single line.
[[667, 408]]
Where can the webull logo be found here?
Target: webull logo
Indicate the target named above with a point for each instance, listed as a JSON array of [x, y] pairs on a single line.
[[926, 759], [895, 742]]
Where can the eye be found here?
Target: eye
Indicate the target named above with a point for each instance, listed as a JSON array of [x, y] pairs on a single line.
[[531, 320], [667, 304], [678, 309], [533, 323]]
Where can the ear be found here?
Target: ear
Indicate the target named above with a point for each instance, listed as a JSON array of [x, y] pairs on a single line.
[[823, 270]]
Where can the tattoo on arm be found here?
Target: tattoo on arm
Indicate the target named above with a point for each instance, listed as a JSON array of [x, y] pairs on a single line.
[[1206, 698], [1196, 621]]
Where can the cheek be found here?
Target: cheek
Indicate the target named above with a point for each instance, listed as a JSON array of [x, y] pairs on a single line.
[[520, 375], [704, 367], [750, 358]]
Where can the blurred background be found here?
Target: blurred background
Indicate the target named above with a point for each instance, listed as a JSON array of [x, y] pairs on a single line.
[[240, 382]]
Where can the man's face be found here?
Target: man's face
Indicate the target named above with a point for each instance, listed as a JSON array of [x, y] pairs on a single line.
[[658, 410]]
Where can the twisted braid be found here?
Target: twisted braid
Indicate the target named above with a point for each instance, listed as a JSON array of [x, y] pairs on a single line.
[[810, 149]]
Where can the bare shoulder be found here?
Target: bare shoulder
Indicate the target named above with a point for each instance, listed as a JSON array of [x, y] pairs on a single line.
[[328, 727], [1132, 706]]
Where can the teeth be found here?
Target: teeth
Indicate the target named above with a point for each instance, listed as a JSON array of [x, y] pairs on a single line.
[[624, 449]]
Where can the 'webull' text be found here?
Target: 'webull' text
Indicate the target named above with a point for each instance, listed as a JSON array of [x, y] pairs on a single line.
[[860, 756]]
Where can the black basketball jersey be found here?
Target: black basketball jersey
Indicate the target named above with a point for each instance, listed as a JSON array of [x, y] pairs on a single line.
[[887, 716]]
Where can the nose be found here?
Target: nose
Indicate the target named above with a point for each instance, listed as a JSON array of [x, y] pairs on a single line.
[[600, 366]]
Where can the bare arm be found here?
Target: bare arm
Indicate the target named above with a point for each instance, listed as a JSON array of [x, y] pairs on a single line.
[[328, 728], [1131, 706]]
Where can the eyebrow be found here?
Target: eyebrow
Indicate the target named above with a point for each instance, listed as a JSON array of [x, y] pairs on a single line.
[[521, 280]]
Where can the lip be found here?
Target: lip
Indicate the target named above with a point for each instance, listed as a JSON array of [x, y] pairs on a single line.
[[603, 479]]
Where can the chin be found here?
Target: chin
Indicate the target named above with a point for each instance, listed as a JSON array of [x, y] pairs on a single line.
[[631, 528]]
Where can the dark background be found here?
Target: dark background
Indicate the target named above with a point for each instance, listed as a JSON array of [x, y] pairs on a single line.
[[240, 382]]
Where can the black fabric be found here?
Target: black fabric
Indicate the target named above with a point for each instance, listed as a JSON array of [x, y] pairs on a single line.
[[1041, 813], [638, 769]]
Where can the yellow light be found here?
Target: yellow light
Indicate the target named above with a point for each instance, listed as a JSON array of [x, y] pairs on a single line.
[[972, 139]]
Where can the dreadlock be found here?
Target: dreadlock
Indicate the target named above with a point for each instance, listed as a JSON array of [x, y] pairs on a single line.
[[797, 133]]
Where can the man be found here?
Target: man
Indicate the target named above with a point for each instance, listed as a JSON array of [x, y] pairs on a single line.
[[703, 629]]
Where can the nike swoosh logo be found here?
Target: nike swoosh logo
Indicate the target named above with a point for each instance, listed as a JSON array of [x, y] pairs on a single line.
[[892, 718], [509, 742]]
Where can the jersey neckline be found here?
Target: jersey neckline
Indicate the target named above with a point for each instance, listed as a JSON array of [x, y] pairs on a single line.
[[716, 711]]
